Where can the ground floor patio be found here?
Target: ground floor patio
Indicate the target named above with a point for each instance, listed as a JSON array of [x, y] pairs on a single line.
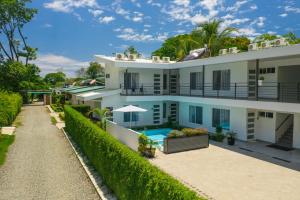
[[244, 171]]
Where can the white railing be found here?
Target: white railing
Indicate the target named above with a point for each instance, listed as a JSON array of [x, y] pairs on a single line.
[[126, 136]]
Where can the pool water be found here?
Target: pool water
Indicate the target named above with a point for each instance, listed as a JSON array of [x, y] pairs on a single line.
[[157, 135]]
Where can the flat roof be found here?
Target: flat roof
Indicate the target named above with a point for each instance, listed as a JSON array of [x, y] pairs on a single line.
[[273, 52], [97, 94], [85, 89]]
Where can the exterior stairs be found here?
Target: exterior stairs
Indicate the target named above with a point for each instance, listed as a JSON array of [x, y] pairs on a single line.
[[286, 140]]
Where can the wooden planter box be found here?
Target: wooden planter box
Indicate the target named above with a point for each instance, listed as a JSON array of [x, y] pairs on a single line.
[[172, 145]]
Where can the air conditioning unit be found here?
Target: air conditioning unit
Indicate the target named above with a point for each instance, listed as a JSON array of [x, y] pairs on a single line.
[[155, 58], [166, 59], [253, 47], [119, 56], [280, 42], [233, 50], [223, 52], [265, 44], [132, 57]]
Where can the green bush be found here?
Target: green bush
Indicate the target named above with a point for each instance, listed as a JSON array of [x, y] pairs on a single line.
[[83, 109], [10, 106], [125, 172], [57, 107], [194, 131]]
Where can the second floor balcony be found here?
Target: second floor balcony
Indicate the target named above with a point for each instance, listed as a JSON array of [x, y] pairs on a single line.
[[268, 91]]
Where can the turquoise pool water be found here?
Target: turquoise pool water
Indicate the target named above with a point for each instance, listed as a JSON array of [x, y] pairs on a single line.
[[157, 135]]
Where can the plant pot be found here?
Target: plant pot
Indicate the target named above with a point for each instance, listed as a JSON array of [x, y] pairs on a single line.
[[149, 152], [260, 82], [230, 140]]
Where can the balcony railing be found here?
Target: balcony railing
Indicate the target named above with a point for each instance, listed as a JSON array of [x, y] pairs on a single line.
[[268, 91]]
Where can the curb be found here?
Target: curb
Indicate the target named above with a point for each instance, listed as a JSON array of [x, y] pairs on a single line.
[[103, 192]]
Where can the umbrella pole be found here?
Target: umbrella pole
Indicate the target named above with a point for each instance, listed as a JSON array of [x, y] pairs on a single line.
[[130, 120]]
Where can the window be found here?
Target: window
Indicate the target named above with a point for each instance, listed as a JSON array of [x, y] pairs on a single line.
[[131, 80], [195, 114], [131, 117], [266, 114], [221, 80], [268, 70], [221, 117], [107, 75], [196, 80]]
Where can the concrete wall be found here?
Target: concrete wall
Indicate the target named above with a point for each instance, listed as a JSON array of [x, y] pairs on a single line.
[[265, 128], [113, 82], [296, 135], [126, 136]]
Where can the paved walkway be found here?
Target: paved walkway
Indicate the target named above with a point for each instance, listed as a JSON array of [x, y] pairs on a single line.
[[41, 165], [230, 173]]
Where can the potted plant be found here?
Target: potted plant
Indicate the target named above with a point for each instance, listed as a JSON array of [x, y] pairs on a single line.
[[146, 146], [231, 138], [260, 81], [218, 136]]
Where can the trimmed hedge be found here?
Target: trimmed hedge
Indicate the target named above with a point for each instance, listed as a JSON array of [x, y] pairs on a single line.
[[126, 173], [10, 106], [83, 109]]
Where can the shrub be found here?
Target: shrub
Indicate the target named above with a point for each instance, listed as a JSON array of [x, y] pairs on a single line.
[[83, 109], [62, 116], [125, 172], [175, 134], [10, 106], [194, 131], [57, 108]]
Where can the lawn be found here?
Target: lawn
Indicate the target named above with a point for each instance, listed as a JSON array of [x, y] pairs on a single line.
[[5, 141]]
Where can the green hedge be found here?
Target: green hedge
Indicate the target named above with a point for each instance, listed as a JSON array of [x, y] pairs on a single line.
[[83, 109], [10, 106], [126, 173]]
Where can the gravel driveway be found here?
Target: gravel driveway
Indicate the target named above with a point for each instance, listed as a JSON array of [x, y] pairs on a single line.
[[41, 164]]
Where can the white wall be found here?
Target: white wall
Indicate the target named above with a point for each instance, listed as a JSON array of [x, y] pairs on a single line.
[[124, 135], [237, 118], [113, 82], [265, 128], [296, 135]]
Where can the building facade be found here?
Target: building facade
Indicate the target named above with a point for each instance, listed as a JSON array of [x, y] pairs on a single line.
[[255, 94]]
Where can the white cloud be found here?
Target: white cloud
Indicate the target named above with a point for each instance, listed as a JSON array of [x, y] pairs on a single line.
[[47, 25], [236, 6], [184, 3], [291, 9], [68, 6], [128, 34], [250, 32], [283, 15], [51, 63], [253, 7], [199, 19], [95, 12], [106, 19], [261, 21]]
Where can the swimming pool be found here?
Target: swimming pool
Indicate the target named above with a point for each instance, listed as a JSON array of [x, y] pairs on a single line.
[[157, 135]]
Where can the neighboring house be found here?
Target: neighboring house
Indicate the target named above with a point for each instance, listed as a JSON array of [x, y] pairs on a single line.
[[218, 91]]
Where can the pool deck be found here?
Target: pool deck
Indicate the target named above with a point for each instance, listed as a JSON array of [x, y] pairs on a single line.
[[245, 171]]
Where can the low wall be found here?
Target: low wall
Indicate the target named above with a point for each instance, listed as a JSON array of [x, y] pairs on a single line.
[[124, 135]]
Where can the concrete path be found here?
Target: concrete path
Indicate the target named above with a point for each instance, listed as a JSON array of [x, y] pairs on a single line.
[[232, 174], [41, 164]]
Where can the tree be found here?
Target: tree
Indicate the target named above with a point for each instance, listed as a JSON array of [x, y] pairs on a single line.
[[239, 42], [292, 38], [212, 35], [81, 72], [131, 50], [54, 78], [265, 36], [13, 16], [94, 70]]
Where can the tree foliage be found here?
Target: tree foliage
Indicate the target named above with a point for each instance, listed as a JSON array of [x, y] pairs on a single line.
[[94, 70], [131, 50], [13, 16], [54, 78]]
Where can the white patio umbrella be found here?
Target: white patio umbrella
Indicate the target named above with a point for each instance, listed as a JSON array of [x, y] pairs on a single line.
[[130, 109]]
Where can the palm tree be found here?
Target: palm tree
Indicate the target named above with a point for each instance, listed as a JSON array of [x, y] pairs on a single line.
[[103, 114], [185, 45], [212, 35]]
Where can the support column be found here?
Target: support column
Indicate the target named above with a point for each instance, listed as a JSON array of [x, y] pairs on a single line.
[[257, 78], [203, 80]]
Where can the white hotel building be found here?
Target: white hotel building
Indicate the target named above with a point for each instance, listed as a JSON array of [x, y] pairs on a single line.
[[223, 90]]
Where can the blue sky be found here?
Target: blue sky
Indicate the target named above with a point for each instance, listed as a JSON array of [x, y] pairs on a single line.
[[69, 32]]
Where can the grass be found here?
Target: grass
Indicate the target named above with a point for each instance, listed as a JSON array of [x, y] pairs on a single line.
[[53, 120], [5, 141]]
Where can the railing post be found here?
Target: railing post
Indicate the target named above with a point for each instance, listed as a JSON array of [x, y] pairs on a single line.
[[278, 92], [218, 93], [298, 91], [235, 90]]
